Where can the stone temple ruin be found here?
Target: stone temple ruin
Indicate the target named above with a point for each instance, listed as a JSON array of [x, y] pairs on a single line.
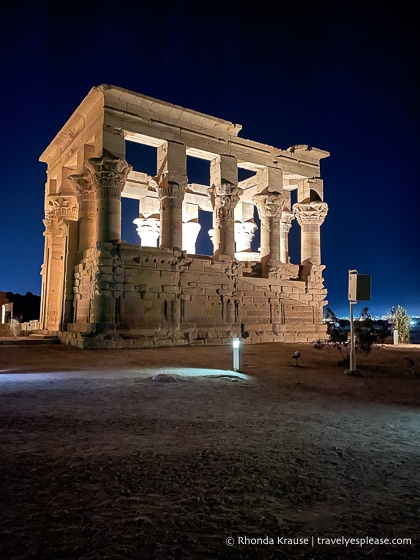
[[98, 291]]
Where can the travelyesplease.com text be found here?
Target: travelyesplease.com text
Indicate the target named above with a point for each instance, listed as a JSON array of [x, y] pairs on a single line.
[[315, 541]]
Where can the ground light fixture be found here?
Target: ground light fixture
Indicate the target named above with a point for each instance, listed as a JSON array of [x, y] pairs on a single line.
[[237, 353]]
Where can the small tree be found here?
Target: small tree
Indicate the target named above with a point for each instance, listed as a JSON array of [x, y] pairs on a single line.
[[329, 315], [337, 335], [401, 323]]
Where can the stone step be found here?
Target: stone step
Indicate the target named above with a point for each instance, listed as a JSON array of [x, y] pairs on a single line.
[[42, 336], [28, 340]]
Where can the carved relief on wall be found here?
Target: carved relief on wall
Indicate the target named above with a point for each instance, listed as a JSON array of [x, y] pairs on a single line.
[[62, 207]]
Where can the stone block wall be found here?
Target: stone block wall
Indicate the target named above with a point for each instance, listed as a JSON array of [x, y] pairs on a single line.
[[131, 296]]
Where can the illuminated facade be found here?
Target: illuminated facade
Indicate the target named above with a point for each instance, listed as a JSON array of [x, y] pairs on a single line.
[[98, 291]]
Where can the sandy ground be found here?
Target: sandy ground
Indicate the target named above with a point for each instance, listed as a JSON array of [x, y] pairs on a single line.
[[167, 453]]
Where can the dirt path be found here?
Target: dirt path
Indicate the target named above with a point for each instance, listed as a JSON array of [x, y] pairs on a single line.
[[137, 454]]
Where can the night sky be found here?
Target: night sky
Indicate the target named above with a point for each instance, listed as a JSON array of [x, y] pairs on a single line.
[[339, 76]]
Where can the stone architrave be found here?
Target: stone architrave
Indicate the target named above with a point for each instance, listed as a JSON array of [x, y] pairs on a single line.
[[285, 225], [108, 175], [172, 182], [310, 216], [270, 207]]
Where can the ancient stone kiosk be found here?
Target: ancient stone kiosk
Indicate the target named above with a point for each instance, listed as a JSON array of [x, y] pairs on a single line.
[[98, 291]]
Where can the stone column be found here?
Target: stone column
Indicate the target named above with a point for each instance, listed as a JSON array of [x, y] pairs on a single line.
[[148, 230], [190, 231], [270, 207], [310, 216], [224, 193], [148, 222], [172, 182], [285, 225], [244, 234], [108, 175], [190, 227], [244, 226], [58, 261], [88, 214], [211, 235], [55, 241]]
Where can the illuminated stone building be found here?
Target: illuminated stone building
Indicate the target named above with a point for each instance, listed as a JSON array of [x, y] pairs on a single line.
[[98, 291]]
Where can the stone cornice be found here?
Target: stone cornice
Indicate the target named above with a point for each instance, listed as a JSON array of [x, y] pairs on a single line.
[[154, 110], [161, 113], [89, 110]]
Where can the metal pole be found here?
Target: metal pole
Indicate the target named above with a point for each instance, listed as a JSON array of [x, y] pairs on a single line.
[[352, 344]]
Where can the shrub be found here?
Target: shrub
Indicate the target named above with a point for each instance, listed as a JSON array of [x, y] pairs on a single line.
[[363, 330], [401, 323]]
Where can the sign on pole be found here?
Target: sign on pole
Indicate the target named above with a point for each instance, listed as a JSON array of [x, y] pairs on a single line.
[[359, 290], [359, 286]]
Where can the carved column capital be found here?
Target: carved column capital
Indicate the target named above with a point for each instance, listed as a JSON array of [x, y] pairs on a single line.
[[57, 209], [54, 226], [211, 235], [172, 192], [148, 229], [310, 216], [310, 213], [64, 207], [224, 198], [244, 234], [84, 183], [285, 225], [286, 220], [109, 172], [270, 205]]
